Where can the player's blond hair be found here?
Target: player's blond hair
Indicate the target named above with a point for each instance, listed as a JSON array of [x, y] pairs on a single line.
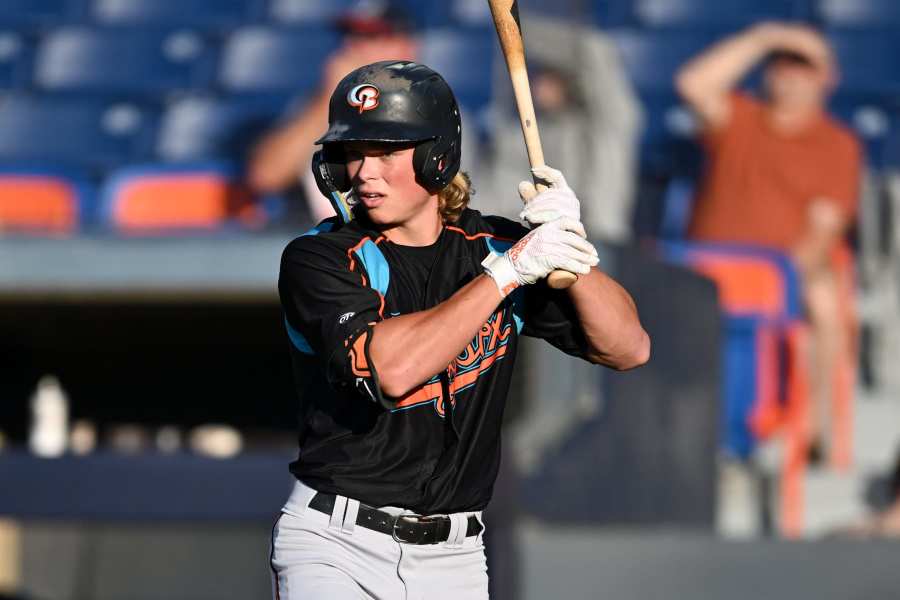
[[453, 199]]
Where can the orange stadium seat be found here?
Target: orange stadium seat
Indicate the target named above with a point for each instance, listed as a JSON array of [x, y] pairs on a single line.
[[845, 376], [158, 199], [36, 202], [759, 295]]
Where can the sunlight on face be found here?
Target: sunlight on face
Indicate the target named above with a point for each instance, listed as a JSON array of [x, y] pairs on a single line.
[[796, 85], [383, 178]]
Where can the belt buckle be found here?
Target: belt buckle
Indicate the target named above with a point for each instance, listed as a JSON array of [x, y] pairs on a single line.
[[396, 522]]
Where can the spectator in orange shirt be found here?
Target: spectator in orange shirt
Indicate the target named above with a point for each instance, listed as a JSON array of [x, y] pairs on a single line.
[[781, 173]]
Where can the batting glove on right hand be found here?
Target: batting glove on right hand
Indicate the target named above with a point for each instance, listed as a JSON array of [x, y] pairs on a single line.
[[559, 244], [555, 202]]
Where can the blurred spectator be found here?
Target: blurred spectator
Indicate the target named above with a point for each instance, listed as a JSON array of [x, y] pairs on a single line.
[[589, 120], [781, 173], [883, 524], [280, 162]]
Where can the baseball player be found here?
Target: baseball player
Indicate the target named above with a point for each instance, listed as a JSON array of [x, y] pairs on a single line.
[[403, 326]]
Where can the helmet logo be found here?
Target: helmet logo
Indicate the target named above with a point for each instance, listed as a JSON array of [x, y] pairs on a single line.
[[364, 97]]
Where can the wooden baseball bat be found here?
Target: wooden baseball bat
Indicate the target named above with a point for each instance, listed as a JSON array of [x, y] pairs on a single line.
[[506, 20]]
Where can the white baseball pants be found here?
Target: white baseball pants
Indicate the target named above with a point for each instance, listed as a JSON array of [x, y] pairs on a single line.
[[315, 556]]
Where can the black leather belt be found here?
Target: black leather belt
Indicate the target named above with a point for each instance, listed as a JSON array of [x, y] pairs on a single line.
[[407, 529]]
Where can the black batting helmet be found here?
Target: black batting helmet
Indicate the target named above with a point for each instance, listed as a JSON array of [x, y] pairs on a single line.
[[392, 101]]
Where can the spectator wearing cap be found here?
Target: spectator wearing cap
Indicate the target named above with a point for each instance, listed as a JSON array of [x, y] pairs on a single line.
[[280, 161], [780, 173]]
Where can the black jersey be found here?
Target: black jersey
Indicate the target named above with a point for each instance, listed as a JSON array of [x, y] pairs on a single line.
[[436, 449]]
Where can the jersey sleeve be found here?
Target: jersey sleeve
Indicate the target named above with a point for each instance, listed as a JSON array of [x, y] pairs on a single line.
[[743, 118], [330, 311], [550, 315], [545, 313]]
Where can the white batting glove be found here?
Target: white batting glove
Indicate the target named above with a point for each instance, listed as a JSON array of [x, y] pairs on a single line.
[[556, 202], [559, 244]]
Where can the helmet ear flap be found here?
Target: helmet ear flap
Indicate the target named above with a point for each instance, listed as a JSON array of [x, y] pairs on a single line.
[[330, 169], [436, 163]]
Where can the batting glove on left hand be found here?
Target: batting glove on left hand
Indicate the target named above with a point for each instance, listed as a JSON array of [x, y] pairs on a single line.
[[558, 201], [559, 244]]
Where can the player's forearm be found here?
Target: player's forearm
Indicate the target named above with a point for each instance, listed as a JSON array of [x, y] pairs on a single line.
[[610, 322], [715, 72], [409, 349], [277, 160]]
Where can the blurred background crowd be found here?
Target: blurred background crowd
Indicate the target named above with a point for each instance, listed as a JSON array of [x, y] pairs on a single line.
[[737, 160]]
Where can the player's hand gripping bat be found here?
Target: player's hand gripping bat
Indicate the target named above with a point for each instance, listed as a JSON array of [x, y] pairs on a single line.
[[506, 20]]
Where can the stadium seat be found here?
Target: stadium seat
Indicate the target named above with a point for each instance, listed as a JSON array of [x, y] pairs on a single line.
[[713, 14], [204, 14], [668, 144], [305, 12], [35, 14], [870, 14], [452, 13], [69, 132], [264, 60], [16, 55], [605, 13], [82, 60], [869, 61], [891, 155], [678, 204], [205, 127], [872, 119], [465, 58], [652, 58], [44, 201], [764, 357], [158, 199]]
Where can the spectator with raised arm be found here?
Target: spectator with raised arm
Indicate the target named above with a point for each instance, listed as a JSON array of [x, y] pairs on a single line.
[[589, 118], [280, 161], [780, 173]]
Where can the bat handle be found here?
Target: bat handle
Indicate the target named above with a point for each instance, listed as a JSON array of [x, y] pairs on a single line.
[[506, 21], [559, 279]]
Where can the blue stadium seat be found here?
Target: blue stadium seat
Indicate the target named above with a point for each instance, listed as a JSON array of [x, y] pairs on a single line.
[[307, 12], [208, 128], [874, 121], [428, 15], [16, 55], [869, 61], [651, 58], [265, 60], [78, 59], [858, 13], [464, 57], [450, 13], [30, 14], [72, 133], [713, 14], [668, 144], [890, 157], [206, 14], [603, 13]]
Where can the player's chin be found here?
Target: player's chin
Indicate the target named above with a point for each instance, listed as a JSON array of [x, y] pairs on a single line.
[[380, 215]]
